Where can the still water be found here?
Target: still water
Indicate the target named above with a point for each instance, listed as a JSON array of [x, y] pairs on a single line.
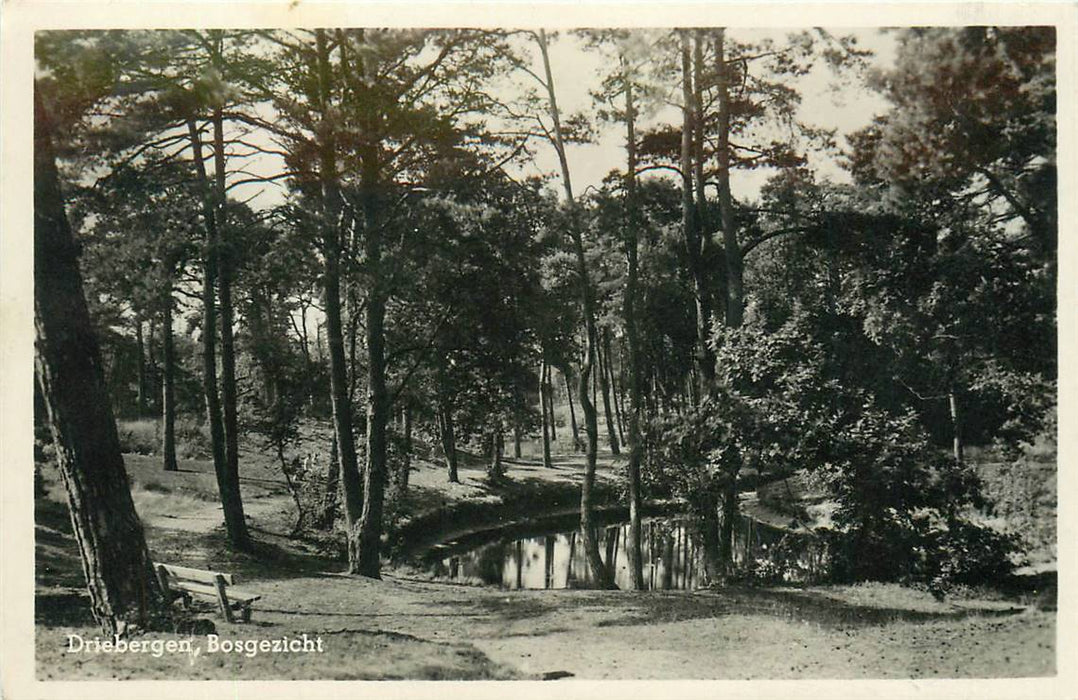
[[671, 547]]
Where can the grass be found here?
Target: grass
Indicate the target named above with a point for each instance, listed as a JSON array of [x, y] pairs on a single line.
[[407, 627], [143, 437]]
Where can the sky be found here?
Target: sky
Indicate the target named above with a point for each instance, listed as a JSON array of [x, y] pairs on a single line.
[[576, 70]]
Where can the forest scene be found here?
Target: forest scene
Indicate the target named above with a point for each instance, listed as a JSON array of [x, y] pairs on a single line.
[[521, 354]]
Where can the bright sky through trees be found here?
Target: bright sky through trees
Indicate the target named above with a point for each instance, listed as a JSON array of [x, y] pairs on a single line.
[[845, 106]]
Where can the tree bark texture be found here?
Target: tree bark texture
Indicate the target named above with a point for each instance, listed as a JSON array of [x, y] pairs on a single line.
[[230, 420], [543, 390], [735, 292], [572, 410], [549, 407], [604, 384], [406, 463], [630, 306], [497, 445], [449, 439], [690, 216], [168, 389], [124, 592], [374, 476], [142, 382], [332, 225], [615, 389], [235, 525]]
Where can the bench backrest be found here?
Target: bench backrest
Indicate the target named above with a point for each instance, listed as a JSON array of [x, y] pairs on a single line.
[[184, 573]]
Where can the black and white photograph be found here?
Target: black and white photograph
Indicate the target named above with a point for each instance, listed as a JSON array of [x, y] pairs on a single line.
[[721, 346]]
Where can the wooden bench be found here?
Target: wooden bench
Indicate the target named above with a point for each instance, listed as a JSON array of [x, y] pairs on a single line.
[[182, 581]]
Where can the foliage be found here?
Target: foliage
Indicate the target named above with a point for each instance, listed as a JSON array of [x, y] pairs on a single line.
[[903, 508], [143, 437], [870, 309], [973, 126], [138, 437]]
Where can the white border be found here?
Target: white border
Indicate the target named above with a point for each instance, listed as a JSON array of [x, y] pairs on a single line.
[[20, 18]]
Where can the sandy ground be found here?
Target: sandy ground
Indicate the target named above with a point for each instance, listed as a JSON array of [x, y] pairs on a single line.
[[406, 627]]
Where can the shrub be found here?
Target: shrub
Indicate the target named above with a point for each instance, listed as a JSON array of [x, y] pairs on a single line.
[[904, 510], [192, 439], [138, 437], [961, 553]]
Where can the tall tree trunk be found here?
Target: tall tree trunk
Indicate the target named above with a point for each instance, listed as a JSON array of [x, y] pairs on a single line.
[[587, 530], [124, 592], [572, 410], [630, 307], [351, 312], [520, 564], [228, 346], [377, 418], [712, 539], [168, 390], [543, 389], [518, 411], [735, 293], [729, 521], [258, 324], [142, 389], [690, 215], [374, 477], [305, 348], [548, 561], [956, 423], [406, 465], [604, 361], [497, 449], [612, 535], [702, 220], [153, 370], [235, 524], [615, 391], [569, 560], [333, 485], [449, 440], [549, 385], [332, 226]]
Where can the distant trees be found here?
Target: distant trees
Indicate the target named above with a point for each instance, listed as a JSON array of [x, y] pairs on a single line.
[[404, 280], [368, 115]]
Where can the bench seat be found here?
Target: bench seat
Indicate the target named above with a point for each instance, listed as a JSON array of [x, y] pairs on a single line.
[[183, 581]]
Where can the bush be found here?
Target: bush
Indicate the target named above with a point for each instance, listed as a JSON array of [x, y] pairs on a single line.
[[904, 510], [306, 480], [962, 553], [795, 558], [143, 437], [138, 437], [192, 439]]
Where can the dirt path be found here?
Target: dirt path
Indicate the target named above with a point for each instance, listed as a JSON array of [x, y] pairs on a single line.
[[200, 517], [401, 627], [757, 646]]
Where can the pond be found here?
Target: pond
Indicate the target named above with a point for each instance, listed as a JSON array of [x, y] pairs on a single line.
[[673, 556]]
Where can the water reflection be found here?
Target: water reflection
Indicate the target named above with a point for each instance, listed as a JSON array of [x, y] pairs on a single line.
[[672, 553]]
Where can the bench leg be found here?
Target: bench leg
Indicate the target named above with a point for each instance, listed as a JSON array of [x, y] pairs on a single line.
[[222, 598], [245, 614]]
